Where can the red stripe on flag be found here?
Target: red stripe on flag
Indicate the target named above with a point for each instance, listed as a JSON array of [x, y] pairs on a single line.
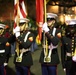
[[15, 10], [22, 11], [15, 25]]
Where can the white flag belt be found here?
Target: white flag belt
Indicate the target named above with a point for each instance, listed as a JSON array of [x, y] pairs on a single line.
[[54, 31], [25, 39], [51, 48], [2, 51]]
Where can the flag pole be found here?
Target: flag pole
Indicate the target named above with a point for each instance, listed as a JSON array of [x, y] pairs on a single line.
[[45, 10], [18, 12], [17, 21], [44, 41], [45, 38]]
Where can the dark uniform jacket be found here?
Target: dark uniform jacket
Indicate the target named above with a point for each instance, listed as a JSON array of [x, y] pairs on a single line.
[[3, 49], [25, 40], [54, 40], [66, 51]]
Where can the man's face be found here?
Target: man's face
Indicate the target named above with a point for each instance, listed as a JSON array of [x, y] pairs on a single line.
[[71, 30], [51, 23], [23, 26]]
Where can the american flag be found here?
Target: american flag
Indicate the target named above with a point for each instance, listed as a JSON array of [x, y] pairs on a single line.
[[19, 11]]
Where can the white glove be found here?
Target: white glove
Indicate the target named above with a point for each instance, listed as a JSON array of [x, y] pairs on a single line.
[[45, 27], [17, 34], [64, 69], [74, 58], [17, 31]]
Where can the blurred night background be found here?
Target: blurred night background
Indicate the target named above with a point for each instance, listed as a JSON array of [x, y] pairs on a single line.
[[63, 8]]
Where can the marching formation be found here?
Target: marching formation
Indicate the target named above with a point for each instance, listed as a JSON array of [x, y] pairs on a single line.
[[50, 36]]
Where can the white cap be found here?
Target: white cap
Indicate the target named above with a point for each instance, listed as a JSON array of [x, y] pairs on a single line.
[[22, 20], [71, 22], [51, 15], [2, 26]]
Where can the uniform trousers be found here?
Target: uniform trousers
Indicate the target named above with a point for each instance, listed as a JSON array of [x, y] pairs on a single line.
[[22, 70], [72, 70], [2, 70], [49, 70]]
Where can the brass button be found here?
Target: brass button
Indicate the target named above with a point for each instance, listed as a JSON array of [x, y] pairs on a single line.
[[72, 43], [72, 40], [72, 37], [72, 48]]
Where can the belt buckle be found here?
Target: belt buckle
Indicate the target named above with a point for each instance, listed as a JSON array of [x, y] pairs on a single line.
[[19, 59], [47, 59]]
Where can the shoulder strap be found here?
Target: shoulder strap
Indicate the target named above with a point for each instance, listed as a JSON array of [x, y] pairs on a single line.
[[26, 36], [54, 30]]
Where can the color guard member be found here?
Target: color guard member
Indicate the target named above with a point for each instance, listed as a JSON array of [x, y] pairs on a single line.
[[24, 38], [3, 49], [49, 58], [68, 48]]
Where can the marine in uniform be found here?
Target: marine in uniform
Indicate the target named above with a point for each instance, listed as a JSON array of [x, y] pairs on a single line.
[[24, 38], [68, 48], [49, 57], [7, 35], [3, 49]]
